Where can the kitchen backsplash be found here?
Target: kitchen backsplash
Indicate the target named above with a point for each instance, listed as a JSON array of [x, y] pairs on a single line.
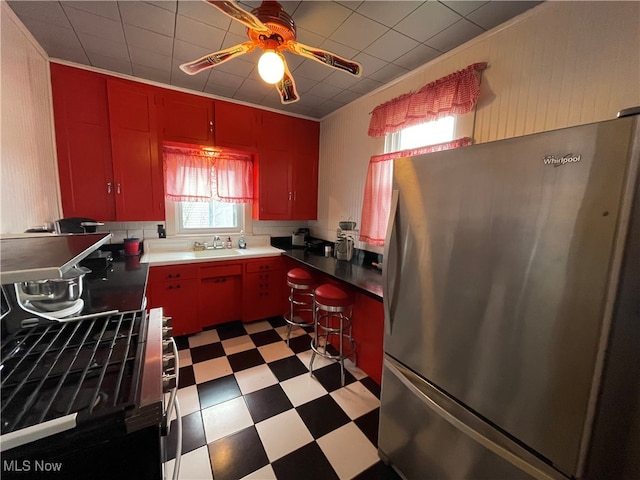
[[147, 230]]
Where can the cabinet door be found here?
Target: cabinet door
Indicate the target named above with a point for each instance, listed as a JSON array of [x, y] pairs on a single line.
[[305, 170], [186, 118], [220, 293], [83, 143], [235, 125], [135, 152], [263, 290], [274, 194], [179, 300]]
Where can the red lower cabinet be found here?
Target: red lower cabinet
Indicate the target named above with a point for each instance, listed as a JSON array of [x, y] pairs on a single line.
[[220, 293], [263, 289], [175, 289]]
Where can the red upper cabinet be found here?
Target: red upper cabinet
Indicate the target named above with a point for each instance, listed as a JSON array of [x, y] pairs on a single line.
[[83, 141], [107, 145], [235, 125], [186, 118], [286, 169], [137, 167]]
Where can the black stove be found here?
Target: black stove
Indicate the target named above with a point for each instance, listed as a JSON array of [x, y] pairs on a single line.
[[57, 369]]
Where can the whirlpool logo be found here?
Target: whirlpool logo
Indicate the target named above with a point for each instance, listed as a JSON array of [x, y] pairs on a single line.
[[559, 161]]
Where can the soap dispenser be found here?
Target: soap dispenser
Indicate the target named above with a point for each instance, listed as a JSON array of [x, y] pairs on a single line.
[[241, 241]]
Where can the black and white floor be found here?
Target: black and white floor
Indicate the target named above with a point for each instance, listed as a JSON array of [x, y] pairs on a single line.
[[251, 410]]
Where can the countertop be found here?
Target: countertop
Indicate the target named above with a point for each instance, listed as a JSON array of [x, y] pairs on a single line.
[[365, 278], [169, 257]]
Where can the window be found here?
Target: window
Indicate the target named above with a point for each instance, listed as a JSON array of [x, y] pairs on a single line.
[[421, 135], [212, 216]]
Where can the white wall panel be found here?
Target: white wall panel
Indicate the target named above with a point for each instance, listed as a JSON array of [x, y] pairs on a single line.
[[557, 65], [29, 183]]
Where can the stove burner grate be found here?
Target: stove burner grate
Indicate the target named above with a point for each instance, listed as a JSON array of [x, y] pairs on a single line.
[[88, 366]]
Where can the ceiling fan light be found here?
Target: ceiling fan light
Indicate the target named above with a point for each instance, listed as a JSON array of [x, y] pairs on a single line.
[[271, 67]]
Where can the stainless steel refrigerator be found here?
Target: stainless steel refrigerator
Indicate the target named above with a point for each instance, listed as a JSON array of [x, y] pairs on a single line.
[[512, 309]]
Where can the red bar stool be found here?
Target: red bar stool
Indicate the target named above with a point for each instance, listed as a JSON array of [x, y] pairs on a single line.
[[301, 285], [333, 309]]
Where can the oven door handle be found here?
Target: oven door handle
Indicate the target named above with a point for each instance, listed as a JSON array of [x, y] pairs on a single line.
[[176, 465], [174, 391]]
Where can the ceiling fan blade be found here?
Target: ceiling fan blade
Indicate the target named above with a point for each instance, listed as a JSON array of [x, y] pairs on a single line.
[[287, 86], [233, 10], [328, 58], [216, 58]]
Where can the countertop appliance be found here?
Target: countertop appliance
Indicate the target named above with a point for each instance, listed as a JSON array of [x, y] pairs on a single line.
[[299, 237], [512, 336], [85, 394]]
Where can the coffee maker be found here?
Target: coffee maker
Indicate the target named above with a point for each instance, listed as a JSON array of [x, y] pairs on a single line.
[[344, 246]]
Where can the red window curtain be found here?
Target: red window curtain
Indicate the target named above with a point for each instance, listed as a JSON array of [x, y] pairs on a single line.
[[377, 189], [196, 175], [454, 94]]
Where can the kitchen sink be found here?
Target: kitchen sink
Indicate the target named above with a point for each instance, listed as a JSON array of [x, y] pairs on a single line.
[[216, 253]]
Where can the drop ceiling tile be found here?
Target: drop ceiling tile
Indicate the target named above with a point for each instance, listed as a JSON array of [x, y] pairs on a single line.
[[155, 42], [313, 70], [324, 90], [427, 20], [455, 35], [198, 33], [248, 93], [151, 59], [464, 8], [170, 5], [220, 90], [143, 71], [102, 8], [321, 21], [341, 79], [192, 82], [225, 79], [231, 40], [339, 49], [95, 25], [388, 13], [309, 38], [494, 13], [272, 100], [304, 84], [112, 64], [327, 107], [391, 45], [103, 47], [351, 4], [365, 85], [204, 13], [359, 32], [388, 73], [346, 96], [369, 63], [148, 16], [293, 60], [188, 52], [417, 57], [45, 12], [55, 40], [237, 66]]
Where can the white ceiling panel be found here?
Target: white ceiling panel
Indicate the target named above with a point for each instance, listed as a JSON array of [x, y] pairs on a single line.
[[151, 39]]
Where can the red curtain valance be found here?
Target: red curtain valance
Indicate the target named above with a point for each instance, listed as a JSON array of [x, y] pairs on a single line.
[[377, 189], [454, 94], [200, 175]]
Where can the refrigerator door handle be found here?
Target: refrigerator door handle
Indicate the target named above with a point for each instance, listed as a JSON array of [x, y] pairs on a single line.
[[388, 279], [489, 438]]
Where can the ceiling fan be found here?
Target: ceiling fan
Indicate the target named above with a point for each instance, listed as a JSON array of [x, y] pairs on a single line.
[[272, 29]]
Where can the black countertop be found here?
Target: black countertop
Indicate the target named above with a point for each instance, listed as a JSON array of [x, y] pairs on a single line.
[[358, 272], [120, 286]]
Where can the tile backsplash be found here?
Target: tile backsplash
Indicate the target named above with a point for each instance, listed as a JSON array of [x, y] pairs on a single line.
[[122, 230]]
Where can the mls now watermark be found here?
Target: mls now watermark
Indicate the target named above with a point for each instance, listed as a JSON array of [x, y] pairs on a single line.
[[17, 466]]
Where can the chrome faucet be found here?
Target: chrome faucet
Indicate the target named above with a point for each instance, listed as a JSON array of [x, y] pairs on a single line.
[[217, 243]]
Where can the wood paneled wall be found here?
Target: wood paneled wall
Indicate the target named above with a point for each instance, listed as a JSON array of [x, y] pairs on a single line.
[[29, 180], [557, 65]]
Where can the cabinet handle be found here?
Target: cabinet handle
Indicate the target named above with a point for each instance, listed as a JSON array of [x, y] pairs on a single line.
[[211, 126], [118, 188], [290, 195], [108, 187]]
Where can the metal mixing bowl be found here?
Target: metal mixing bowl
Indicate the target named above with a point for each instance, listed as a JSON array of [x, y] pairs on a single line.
[[55, 293]]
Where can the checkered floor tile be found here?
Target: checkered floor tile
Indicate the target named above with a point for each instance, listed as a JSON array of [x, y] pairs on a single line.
[[251, 410]]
